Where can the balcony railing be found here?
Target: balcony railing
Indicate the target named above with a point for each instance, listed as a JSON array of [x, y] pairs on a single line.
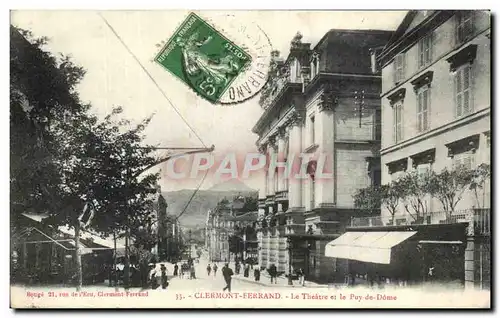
[[279, 84], [479, 220]]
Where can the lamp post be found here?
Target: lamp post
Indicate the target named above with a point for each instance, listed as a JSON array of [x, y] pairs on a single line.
[[289, 241]]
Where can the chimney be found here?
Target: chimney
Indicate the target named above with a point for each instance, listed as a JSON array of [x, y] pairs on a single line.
[[373, 59]]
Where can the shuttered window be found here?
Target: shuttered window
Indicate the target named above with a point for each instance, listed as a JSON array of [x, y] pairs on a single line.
[[463, 96], [399, 69], [423, 101]]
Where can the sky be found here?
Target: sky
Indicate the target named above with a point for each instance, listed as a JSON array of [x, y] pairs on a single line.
[[114, 77]]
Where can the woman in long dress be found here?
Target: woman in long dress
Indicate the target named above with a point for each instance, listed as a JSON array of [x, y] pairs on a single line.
[[195, 61]]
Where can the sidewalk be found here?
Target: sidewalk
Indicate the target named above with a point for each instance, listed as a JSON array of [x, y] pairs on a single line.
[[282, 281]]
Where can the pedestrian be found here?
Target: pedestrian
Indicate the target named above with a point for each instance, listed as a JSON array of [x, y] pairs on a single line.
[[152, 277], [256, 273], [227, 273], [237, 267], [182, 271], [273, 273], [215, 270], [176, 269], [164, 278], [300, 273], [246, 271], [193, 273], [209, 269]]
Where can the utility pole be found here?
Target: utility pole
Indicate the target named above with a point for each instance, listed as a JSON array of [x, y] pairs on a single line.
[[126, 279]]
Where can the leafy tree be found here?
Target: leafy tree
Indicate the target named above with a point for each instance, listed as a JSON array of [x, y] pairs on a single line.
[[414, 189], [368, 198], [448, 186], [390, 196], [64, 156], [480, 179]]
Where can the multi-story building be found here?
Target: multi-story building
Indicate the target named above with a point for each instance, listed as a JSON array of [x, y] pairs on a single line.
[[322, 112], [218, 229], [436, 115]]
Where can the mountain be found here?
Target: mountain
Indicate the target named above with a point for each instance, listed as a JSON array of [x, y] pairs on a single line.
[[196, 212], [233, 185]]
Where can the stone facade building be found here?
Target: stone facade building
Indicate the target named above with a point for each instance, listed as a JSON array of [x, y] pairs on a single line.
[[436, 113], [322, 117], [218, 229]]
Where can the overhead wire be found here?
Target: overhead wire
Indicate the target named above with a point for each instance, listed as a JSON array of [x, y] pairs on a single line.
[[167, 99]]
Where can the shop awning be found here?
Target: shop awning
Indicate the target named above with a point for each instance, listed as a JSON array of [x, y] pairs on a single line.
[[370, 247]]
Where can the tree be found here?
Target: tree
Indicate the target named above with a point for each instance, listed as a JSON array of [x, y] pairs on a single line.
[[480, 179], [368, 198], [251, 204], [390, 196], [64, 156], [448, 186], [414, 189]]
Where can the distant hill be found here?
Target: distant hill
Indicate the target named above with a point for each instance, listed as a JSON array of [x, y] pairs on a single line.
[[196, 213], [232, 185]]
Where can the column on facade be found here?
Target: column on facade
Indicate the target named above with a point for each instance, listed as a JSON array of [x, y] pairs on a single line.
[[271, 152], [294, 151], [324, 187], [281, 159], [262, 210]]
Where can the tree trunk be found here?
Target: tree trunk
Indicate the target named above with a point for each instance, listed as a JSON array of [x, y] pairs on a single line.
[[78, 258], [126, 272], [115, 276]]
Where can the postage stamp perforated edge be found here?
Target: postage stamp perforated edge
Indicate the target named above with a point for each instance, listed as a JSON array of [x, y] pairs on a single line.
[[214, 28]]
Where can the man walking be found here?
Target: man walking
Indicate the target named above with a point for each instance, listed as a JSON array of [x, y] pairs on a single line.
[[300, 273], [209, 269], [227, 273], [273, 272], [215, 270]]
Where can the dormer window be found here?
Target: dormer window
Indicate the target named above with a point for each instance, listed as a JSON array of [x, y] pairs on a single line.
[[314, 65], [465, 26]]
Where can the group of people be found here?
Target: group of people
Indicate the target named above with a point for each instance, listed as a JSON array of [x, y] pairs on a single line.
[[158, 279], [273, 274], [210, 269], [186, 270]]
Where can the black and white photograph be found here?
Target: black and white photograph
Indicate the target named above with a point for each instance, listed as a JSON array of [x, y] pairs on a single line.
[[250, 159]]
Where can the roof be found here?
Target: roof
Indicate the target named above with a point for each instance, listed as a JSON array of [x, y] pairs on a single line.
[[249, 216], [348, 31], [85, 235]]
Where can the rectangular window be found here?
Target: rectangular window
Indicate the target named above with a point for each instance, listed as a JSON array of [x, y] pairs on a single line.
[[425, 51], [423, 168], [464, 159], [423, 101], [463, 93], [398, 121], [399, 62], [312, 132], [396, 175], [465, 27]]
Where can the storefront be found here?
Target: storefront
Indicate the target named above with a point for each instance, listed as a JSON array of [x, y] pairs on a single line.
[[44, 255], [401, 255]]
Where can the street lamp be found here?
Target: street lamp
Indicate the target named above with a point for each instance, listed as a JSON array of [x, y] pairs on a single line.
[[289, 241]]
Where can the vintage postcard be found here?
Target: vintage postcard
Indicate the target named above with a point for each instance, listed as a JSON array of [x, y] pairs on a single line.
[[250, 159]]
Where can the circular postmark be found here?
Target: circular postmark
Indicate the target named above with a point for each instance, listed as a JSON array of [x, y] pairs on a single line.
[[223, 58]]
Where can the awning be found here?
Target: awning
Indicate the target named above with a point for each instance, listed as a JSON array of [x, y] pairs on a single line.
[[370, 247]]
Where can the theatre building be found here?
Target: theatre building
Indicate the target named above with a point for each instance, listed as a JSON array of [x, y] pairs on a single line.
[[322, 114], [435, 115]]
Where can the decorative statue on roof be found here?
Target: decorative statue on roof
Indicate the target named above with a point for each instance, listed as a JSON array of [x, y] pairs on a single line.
[[296, 41]]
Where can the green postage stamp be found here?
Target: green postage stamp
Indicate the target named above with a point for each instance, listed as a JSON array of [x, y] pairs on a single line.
[[203, 58]]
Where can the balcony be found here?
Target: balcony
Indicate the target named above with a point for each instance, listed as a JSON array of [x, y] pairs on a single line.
[[281, 196], [479, 220], [280, 84]]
